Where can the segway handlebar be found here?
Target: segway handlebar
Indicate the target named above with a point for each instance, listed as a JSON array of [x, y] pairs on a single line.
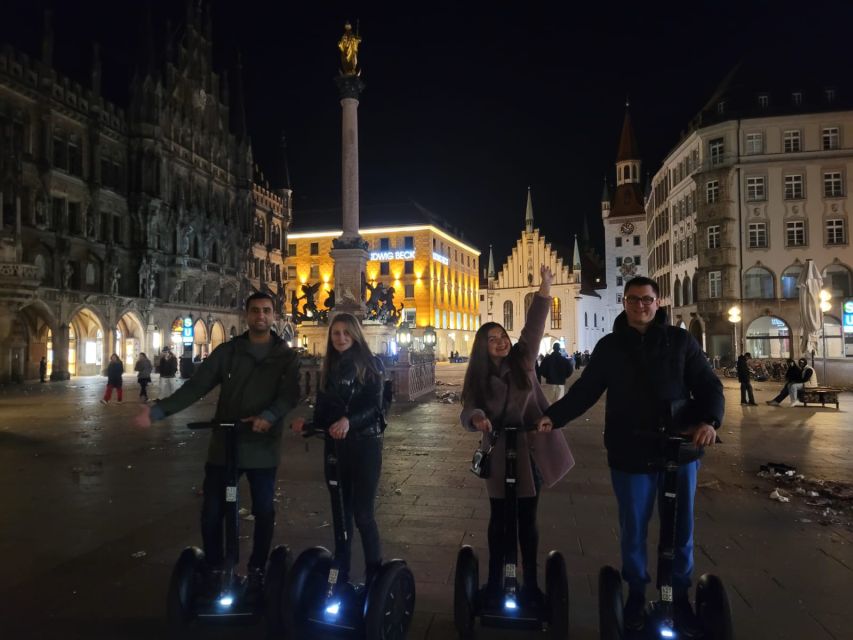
[[310, 430], [214, 424]]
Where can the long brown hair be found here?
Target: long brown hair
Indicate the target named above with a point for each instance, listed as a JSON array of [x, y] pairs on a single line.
[[480, 367], [365, 362]]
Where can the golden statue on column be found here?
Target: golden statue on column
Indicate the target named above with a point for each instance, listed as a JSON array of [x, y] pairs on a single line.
[[348, 46]]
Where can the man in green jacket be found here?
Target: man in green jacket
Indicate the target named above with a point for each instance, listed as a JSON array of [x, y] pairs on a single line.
[[258, 376]]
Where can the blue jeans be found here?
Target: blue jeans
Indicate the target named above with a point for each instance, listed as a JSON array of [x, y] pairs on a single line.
[[635, 494], [262, 487]]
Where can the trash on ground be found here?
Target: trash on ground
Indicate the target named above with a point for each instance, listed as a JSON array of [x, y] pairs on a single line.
[[778, 469], [779, 496]]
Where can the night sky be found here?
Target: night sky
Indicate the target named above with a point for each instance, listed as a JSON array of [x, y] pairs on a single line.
[[467, 103]]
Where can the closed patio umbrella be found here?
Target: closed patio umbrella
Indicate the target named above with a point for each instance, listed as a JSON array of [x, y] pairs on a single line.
[[809, 285]]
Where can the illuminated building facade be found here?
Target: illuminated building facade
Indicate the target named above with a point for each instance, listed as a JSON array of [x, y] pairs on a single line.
[[433, 273]]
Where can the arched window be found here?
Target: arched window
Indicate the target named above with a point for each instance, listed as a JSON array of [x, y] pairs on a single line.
[[757, 283], [837, 280], [789, 279], [676, 293], [626, 174], [90, 273], [508, 315], [528, 300], [556, 314], [686, 291], [768, 337]]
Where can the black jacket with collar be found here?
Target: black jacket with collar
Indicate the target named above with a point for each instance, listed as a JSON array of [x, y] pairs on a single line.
[[648, 377], [343, 394]]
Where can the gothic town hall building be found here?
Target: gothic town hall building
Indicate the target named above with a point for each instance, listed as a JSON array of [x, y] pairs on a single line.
[[128, 230]]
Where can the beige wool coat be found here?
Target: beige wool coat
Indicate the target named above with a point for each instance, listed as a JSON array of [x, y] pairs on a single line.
[[549, 451]]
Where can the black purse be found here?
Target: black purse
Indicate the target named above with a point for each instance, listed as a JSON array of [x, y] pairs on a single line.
[[481, 461]]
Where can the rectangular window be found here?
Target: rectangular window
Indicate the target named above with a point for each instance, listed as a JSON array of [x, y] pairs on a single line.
[[116, 229], [754, 142], [409, 266], [618, 241], [58, 213], [714, 236], [791, 141], [384, 269], [795, 233], [755, 188], [618, 261], [75, 159], [315, 249], [715, 284], [712, 191], [797, 98], [315, 271], [291, 249], [291, 272], [763, 100], [60, 154], [384, 244], [794, 187], [637, 260], [832, 184], [409, 290], [619, 281], [75, 221], [835, 231], [716, 150], [636, 241], [830, 138], [757, 235], [409, 242]]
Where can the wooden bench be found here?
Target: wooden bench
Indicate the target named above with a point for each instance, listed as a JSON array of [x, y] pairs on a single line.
[[819, 395]]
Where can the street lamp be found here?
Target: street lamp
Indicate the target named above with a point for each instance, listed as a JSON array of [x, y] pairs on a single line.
[[429, 337], [825, 306], [734, 318], [404, 335]]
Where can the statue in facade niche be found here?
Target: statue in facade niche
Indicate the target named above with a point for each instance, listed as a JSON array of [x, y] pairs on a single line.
[[152, 278], [348, 46], [144, 271], [114, 278], [67, 272], [185, 239]]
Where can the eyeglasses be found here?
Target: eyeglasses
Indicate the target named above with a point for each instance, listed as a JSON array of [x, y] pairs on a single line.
[[635, 300]]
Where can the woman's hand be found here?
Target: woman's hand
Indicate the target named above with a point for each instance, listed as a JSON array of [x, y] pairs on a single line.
[[547, 278], [339, 428], [544, 424], [298, 425], [481, 423]]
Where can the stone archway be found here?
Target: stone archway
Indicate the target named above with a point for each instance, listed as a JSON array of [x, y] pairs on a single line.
[[130, 339], [769, 337], [87, 344], [696, 330], [217, 335], [201, 343], [30, 343]]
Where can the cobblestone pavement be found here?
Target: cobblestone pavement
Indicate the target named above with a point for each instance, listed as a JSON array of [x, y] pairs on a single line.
[[84, 493]]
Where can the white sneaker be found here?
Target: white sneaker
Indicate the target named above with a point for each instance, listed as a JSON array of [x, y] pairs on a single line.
[[798, 404]]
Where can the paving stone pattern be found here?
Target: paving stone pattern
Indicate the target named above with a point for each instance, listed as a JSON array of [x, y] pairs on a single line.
[[84, 493]]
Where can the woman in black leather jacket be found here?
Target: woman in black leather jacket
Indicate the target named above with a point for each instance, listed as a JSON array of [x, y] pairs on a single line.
[[349, 407]]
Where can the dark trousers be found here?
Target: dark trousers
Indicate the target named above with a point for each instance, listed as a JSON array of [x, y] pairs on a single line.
[[635, 495], [262, 487], [782, 394], [746, 390], [528, 539], [360, 465], [143, 387]]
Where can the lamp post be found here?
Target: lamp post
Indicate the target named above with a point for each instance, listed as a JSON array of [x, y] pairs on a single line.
[[429, 337], [734, 318], [825, 306]]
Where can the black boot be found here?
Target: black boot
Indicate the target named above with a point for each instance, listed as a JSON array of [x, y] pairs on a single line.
[[686, 621], [634, 615], [530, 593]]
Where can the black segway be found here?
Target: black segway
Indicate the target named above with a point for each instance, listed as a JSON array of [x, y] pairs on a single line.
[[470, 600], [315, 602], [187, 599], [712, 604]]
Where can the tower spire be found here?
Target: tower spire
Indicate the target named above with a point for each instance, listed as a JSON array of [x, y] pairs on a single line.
[[491, 272], [628, 148], [528, 217], [576, 263]]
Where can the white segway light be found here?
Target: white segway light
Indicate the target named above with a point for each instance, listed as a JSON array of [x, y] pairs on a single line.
[[226, 601], [510, 603], [666, 632], [333, 609]]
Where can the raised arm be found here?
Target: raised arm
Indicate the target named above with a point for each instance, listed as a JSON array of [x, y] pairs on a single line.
[[534, 326]]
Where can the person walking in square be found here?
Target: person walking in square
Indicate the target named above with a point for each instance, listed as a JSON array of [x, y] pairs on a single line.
[[115, 370], [168, 370], [747, 395], [143, 367], [42, 369], [556, 369]]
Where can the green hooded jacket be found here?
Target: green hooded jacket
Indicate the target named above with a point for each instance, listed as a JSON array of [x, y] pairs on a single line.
[[268, 388]]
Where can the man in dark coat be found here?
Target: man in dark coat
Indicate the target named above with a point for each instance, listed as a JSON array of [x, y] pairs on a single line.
[[743, 374], [649, 370], [555, 369]]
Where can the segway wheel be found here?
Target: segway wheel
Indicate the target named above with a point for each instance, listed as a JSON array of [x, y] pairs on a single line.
[[610, 605], [712, 607], [557, 588], [278, 568], [390, 603], [184, 587], [304, 585], [465, 586]]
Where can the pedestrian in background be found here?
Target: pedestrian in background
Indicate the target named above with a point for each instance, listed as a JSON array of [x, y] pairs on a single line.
[[168, 369], [556, 369], [42, 369], [115, 370], [743, 374], [143, 367]]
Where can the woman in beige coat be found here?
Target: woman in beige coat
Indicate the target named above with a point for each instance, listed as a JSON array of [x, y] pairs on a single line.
[[501, 388]]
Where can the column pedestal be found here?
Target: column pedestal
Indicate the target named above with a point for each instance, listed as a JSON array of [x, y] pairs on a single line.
[[350, 258]]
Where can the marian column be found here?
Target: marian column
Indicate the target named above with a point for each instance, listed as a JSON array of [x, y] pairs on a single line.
[[350, 250]]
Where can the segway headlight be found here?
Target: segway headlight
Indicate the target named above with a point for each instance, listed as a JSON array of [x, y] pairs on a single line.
[[666, 632], [226, 601], [510, 603], [333, 609]]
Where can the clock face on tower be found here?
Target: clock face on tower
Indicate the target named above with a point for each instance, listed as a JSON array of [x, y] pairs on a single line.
[[627, 228]]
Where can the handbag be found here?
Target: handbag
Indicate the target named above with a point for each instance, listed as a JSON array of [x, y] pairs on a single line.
[[481, 461]]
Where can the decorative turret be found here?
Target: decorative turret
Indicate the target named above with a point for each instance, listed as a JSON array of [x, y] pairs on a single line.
[[528, 217], [491, 272], [576, 258], [605, 201], [628, 155]]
